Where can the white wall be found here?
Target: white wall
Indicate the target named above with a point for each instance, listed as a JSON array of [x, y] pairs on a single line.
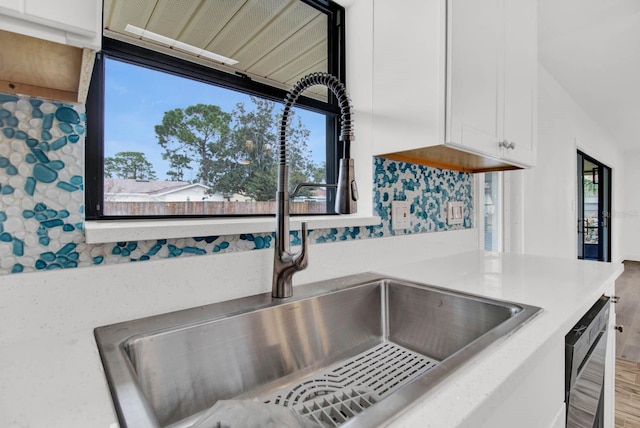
[[359, 47], [546, 195], [629, 216]]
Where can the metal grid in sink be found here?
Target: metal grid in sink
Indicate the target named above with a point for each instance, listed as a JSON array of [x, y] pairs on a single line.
[[340, 392]]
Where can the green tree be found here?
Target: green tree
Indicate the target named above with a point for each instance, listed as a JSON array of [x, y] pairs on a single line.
[[193, 137], [246, 162], [320, 173], [236, 152], [301, 167], [133, 165], [590, 188]]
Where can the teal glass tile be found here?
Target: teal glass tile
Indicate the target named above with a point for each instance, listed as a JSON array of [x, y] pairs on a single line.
[[59, 143], [68, 115], [44, 174]]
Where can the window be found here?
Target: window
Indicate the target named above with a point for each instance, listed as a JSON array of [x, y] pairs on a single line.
[[174, 130], [492, 185]]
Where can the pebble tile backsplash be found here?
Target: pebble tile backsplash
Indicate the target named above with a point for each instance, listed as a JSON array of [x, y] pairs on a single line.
[[42, 198]]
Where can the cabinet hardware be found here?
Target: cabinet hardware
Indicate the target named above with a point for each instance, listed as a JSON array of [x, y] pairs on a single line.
[[615, 299], [507, 145], [620, 328]]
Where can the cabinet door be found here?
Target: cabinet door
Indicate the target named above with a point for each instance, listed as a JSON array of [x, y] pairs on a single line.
[[520, 80], [72, 15], [72, 22], [475, 57], [80, 19], [13, 5], [408, 74]]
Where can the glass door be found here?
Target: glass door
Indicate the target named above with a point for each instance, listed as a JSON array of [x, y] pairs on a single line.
[[594, 209]]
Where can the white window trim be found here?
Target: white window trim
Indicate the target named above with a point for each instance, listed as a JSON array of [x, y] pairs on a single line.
[[103, 231]]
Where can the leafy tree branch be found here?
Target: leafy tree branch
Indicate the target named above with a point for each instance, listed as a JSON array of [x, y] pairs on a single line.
[[132, 165]]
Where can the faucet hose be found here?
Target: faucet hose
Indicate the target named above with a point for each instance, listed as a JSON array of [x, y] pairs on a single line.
[[344, 103]]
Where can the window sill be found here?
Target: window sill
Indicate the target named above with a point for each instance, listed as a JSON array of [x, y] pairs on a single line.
[[102, 231]]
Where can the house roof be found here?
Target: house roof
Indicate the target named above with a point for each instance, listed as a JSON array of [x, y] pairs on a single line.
[[147, 187]]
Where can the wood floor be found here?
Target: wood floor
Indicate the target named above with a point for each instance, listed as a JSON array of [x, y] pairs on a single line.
[[628, 348], [627, 394]]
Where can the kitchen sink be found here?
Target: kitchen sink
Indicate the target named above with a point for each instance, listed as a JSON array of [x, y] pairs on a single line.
[[353, 351]]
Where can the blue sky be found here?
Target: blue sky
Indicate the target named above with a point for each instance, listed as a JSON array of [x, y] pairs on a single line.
[[136, 99]]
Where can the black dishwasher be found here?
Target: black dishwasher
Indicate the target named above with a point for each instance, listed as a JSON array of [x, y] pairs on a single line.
[[585, 355]]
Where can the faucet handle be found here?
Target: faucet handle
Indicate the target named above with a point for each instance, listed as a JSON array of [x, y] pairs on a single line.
[[301, 259]]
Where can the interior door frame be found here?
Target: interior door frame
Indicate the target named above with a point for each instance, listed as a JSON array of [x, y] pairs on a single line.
[[604, 207]]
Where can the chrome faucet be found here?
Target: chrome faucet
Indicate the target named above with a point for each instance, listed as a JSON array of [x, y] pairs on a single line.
[[285, 262]]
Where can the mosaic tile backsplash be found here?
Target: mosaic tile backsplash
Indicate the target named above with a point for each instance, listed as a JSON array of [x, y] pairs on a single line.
[[42, 198]]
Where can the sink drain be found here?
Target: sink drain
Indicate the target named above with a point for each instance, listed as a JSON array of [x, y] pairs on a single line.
[[340, 392]]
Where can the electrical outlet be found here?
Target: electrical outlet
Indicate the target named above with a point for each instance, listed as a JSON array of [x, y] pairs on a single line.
[[455, 212], [400, 215]]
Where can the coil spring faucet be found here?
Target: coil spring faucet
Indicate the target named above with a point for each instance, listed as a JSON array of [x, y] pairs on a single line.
[[286, 263]]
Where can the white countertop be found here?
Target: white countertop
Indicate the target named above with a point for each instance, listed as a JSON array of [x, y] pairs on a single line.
[[565, 289], [58, 381]]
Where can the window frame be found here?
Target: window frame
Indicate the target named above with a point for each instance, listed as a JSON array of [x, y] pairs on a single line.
[[501, 202], [140, 56]]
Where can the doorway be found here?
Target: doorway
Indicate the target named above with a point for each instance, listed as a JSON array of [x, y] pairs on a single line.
[[594, 209]]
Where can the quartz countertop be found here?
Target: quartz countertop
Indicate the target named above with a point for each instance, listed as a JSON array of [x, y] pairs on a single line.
[[564, 289], [58, 380]]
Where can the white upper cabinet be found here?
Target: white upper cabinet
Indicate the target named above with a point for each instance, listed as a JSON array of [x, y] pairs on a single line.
[[408, 74], [75, 23], [38, 36], [455, 83], [474, 58], [520, 81]]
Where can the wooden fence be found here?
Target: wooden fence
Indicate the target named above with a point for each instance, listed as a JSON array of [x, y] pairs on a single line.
[[207, 208]]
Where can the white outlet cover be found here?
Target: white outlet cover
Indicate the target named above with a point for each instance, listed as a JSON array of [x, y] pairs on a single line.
[[400, 215], [455, 212]]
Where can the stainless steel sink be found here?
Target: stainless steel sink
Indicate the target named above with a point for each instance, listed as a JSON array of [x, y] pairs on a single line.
[[354, 351]]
